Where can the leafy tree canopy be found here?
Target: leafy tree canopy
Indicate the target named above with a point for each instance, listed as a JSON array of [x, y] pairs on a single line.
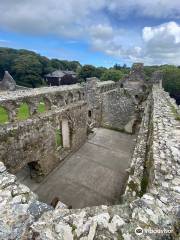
[[112, 74], [28, 68]]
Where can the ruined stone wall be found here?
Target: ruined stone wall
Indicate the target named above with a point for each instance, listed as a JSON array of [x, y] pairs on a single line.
[[154, 211], [118, 110], [110, 106], [94, 91], [34, 140]]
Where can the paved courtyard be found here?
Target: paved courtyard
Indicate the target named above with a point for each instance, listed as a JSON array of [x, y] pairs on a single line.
[[94, 175]]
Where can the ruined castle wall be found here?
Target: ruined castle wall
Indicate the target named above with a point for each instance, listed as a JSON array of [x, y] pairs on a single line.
[[110, 106], [118, 109], [156, 209], [95, 89], [39, 138]]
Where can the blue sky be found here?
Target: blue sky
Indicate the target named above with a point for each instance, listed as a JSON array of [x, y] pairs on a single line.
[[101, 33]]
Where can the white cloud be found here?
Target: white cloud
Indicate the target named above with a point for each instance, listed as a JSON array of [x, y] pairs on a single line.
[[152, 8], [162, 43], [89, 20], [71, 17]]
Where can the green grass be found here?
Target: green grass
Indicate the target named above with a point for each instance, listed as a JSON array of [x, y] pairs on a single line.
[[41, 107], [23, 112], [3, 116], [58, 138]]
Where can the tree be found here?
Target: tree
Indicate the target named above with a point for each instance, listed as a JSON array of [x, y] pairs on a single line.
[[87, 71], [171, 80], [28, 68], [112, 74]]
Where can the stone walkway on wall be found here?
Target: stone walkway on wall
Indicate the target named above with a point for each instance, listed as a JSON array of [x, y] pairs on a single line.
[[94, 175]]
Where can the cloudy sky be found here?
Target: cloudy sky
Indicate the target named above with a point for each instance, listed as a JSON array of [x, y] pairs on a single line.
[[100, 32]]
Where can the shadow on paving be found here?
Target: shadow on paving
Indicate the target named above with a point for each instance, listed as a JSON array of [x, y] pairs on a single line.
[[94, 175]]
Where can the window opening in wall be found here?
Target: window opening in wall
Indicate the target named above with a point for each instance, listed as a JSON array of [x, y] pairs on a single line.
[[41, 107], [3, 116], [23, 112], [65, 133], [89, 113], [59, 142]]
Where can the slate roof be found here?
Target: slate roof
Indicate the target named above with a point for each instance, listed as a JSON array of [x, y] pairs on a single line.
[[60, 73]]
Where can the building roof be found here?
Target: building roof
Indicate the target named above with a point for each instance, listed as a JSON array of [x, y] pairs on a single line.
[[60, 73]]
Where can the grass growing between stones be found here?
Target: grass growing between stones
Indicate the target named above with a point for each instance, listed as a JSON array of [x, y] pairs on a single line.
[[3, 116], [23, 112]]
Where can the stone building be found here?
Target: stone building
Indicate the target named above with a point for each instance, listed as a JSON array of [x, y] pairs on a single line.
[[60, 77]]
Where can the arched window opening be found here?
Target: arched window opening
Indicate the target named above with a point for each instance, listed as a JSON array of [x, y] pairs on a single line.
[[23, 112], [41, 107], [4, 118], [47, 103]]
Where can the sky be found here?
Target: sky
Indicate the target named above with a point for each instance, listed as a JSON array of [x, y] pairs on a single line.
[[100, 32]]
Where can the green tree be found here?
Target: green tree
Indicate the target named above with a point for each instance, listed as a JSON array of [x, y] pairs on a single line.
[[28, 68], [87, 71], [112, 74], [171, 80]]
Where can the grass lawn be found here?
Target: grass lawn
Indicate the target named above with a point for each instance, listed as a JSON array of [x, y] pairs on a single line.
[[3, 116], [23, 112]]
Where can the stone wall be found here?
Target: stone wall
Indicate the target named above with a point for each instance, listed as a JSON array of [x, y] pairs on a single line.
[[152, 214], [94, 91], [34, 140], [118, 110], [154, 211], [110, 106]]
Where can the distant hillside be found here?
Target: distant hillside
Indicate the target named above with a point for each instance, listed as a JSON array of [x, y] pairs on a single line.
[[28, 68]]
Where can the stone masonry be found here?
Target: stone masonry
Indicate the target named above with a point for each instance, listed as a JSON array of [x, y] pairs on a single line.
[[155, 209], [150, 206]]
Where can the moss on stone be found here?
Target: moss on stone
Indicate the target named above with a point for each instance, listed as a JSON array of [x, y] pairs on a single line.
[[120, 236], [144, 183], [133, 186]]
